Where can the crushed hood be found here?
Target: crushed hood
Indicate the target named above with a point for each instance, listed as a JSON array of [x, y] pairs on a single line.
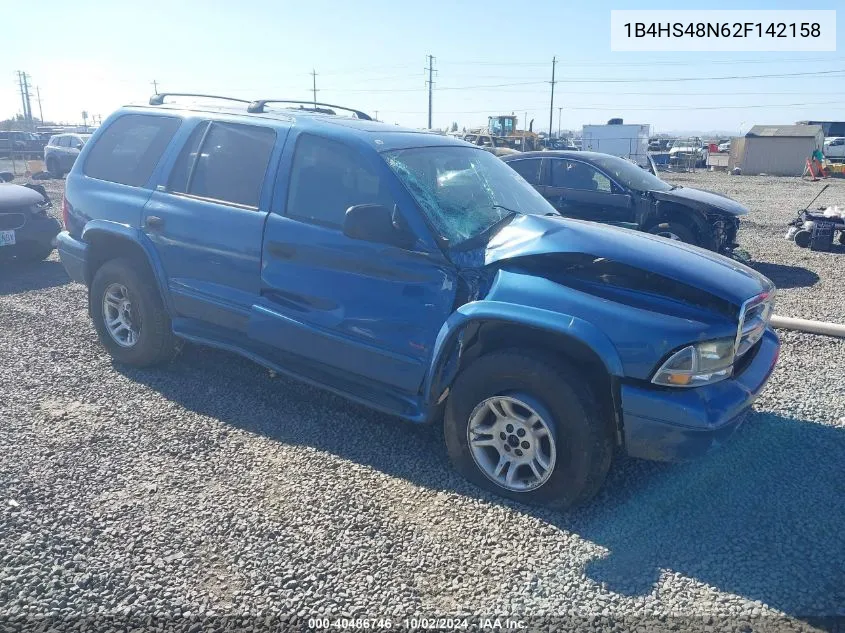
[[541, 239], [702, 200]]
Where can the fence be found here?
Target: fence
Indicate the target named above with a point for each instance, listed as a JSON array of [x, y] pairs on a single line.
[[21, 164]]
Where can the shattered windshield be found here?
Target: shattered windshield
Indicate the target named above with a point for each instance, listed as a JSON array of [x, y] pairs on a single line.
[[630, 175], [464, 191]]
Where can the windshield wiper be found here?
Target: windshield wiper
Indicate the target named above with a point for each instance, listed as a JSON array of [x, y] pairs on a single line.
[[487, 234]]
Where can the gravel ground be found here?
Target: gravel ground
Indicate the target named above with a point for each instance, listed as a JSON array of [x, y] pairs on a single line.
[[211, 495]]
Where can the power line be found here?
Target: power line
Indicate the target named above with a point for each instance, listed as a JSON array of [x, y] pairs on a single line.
[[631, 107], [815, 73], [656, 63]]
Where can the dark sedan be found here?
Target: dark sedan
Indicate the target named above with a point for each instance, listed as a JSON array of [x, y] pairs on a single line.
[[27, 230], [609, 189]]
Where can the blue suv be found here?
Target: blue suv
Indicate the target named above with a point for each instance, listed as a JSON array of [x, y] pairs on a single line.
[[419, 275]]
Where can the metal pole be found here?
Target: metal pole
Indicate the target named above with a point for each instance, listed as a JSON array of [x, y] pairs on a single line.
[[559, 112], [430, 70], [40, 111], [552, 104], [314, 86]]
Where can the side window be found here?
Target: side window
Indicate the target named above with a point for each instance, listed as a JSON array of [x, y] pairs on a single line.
[[54, 140], [229, 166], [327, 178], [573, 174], [130, 148], [178, 181], [528, 168]]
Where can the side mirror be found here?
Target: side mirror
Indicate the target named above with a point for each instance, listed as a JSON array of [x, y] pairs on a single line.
[[78, 146], [377, 223]]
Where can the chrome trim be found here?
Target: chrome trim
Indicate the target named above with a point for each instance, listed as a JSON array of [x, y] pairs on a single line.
[[767, 299]]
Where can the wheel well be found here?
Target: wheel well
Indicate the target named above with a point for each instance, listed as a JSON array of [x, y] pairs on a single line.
[[675, 213], [490, 336], [103, 247]]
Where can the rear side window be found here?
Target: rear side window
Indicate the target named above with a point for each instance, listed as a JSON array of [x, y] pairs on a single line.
[[229, 166], [178, 181], [327, 178], [130, 148], [527, 168]]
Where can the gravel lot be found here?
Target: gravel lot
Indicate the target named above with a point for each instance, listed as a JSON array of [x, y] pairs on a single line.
[[212, 494]]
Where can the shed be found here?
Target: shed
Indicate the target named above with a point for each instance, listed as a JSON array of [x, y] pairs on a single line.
[[777, 150]]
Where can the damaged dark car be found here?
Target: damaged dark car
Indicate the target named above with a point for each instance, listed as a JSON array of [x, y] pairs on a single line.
[[612, 190], [27, 230]]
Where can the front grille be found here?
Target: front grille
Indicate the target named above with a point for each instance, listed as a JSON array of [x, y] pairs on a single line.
[[11, 221], [753, 320]]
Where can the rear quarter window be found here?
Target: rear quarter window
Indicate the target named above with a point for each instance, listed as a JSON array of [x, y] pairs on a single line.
[[130, 148]]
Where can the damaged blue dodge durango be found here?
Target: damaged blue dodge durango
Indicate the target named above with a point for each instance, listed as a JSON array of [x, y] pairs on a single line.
[[418, 275]]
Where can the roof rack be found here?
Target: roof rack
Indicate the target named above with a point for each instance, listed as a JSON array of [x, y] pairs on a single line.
[[257, 107], [158, 98]]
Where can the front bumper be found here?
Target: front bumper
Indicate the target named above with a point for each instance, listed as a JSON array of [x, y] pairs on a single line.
[[39, 229], [666, 424], [73, 255]]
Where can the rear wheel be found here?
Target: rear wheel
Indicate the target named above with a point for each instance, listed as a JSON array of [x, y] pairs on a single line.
[[675, 231], [527, 428], [129, 315]]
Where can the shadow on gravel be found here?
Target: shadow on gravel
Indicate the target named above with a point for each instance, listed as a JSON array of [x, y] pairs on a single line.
[[18, 277], [771, 501], [763, 517], [786, 276]]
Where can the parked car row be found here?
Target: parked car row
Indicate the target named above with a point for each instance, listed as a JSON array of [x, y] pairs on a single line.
[[21, 144], [422, 276]]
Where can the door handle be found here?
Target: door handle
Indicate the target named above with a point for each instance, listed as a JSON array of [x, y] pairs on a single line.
[[154, 222]]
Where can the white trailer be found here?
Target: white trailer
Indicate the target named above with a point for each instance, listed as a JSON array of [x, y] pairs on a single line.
[[619, 139]]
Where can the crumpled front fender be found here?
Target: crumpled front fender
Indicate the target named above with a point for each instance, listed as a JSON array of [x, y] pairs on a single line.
[[447, 345]]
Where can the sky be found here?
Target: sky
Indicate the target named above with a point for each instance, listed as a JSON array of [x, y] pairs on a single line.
[[491, 57]]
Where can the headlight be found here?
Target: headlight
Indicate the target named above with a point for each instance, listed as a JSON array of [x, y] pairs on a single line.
[[698, 364]]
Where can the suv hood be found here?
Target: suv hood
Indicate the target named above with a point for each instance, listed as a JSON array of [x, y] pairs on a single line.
[[623, 257], [706, 201]]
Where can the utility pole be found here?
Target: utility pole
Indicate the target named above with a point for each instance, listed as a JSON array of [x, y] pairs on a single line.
[[155, 86], [314, 86], [40, 111], [552, 105], [559, 112], [23, 96], [376, 115], [430, 82]]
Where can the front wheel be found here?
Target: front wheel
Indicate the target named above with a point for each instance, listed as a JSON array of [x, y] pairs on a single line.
[[674, 231], [129, 315], [527, 428]]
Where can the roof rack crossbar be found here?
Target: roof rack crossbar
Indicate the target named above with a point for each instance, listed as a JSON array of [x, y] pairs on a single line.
[[158, 98], [258, 106]]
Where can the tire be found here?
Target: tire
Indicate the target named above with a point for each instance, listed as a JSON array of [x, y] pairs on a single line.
[[580, 435], [680, 232], [53, 168], [154, 341]]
